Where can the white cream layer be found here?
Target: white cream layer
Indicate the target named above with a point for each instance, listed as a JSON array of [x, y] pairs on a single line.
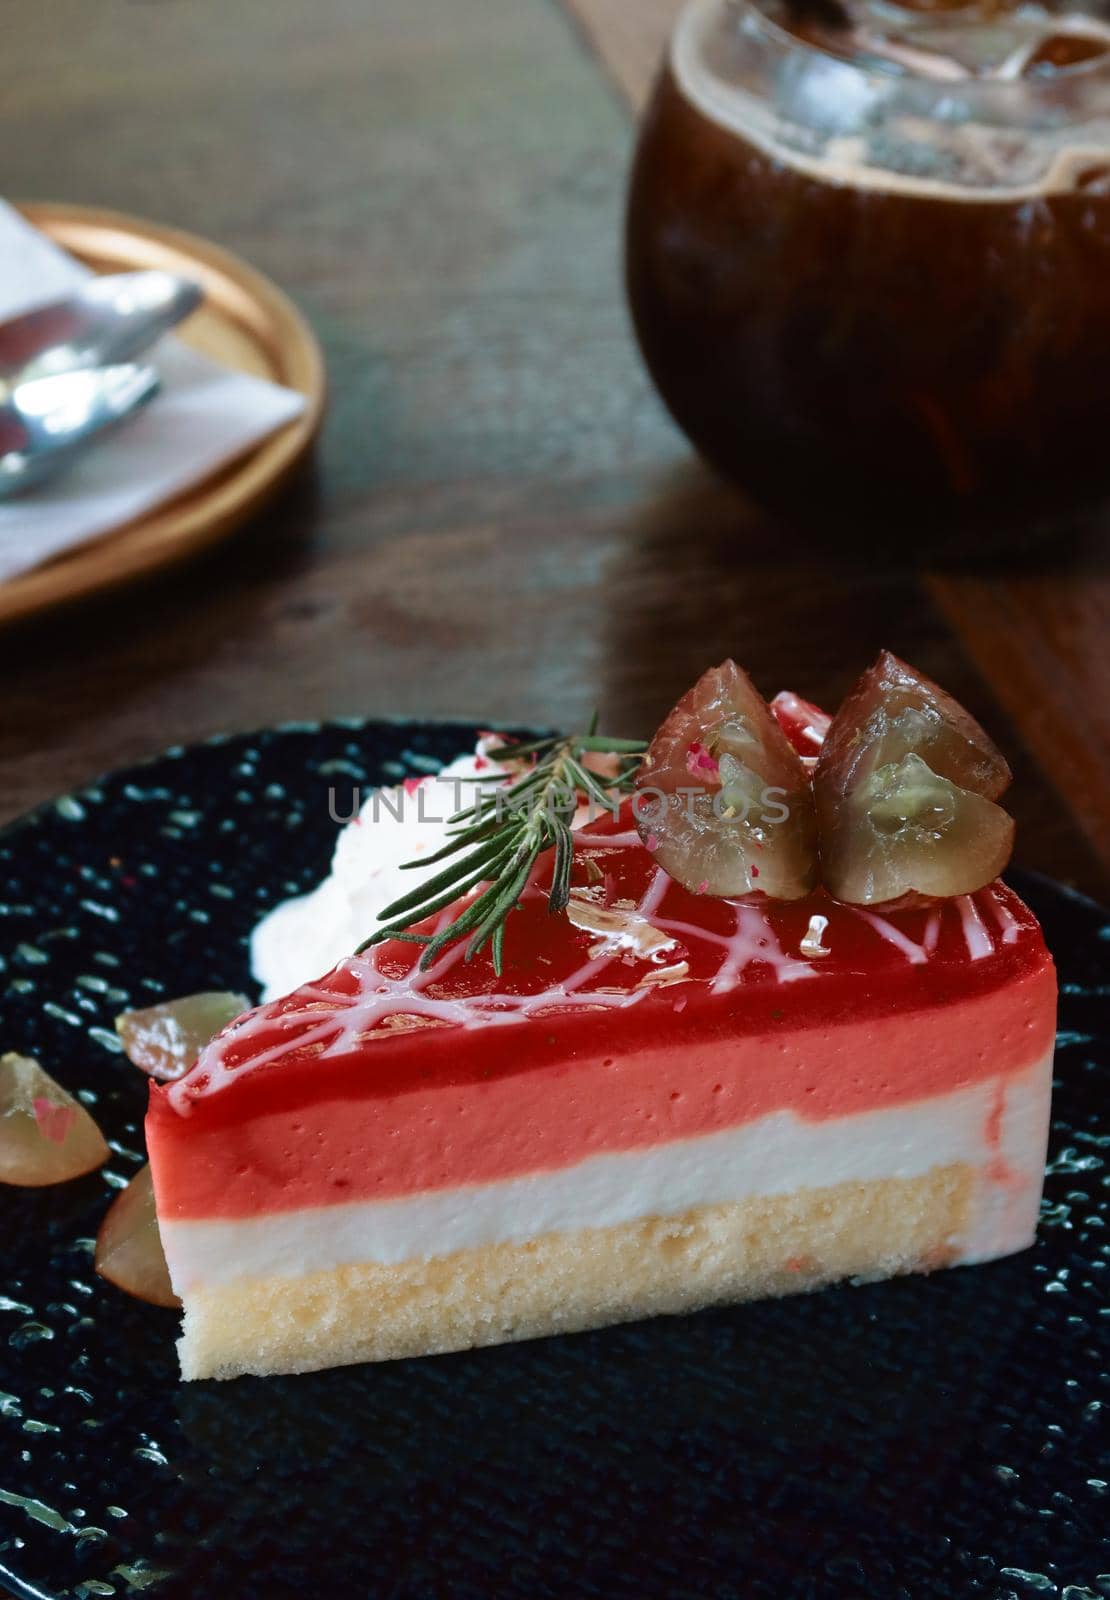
[[775, 1154]]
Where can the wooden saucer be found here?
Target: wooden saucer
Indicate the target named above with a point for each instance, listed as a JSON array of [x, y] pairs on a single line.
[[246, 323]]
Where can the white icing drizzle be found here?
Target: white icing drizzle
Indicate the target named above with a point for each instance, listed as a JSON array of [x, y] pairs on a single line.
[[614, 841], [755, 940], [1006, 920], [656, 889], [666, 975], [976, 932], [977, 935], [915, 954], [348, 1019]]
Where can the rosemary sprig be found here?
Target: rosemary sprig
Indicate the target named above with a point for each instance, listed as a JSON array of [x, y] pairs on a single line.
[[498, 839]]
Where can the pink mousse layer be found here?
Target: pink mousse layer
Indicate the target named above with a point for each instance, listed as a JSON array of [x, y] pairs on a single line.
[[378, 1081]]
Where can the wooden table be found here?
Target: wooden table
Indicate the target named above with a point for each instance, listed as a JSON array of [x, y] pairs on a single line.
[[502, 523]]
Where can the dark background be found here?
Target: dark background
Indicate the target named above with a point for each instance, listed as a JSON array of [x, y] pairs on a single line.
[[502, 523]]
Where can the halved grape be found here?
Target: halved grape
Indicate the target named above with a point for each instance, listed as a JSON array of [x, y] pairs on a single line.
[[723, 800], [893, 710], [129, 1247], [166, 1039], [904, 786], [46, 1136]]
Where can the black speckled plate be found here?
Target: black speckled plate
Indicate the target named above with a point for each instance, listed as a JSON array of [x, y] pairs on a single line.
[[941, 1436]]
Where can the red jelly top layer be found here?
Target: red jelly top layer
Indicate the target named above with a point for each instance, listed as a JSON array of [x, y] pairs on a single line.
[[648, 1013]]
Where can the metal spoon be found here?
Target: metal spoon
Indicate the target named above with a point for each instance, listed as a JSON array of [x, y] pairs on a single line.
[[46, 423], [104, 322]]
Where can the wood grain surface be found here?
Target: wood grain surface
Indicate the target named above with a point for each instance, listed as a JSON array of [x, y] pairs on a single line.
[[502, 521]]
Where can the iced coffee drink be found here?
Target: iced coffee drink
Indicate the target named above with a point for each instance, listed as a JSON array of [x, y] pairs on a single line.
[[869, 253]]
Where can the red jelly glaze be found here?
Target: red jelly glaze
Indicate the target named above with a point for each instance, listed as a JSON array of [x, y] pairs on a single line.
[[803, 723], [399, 1108]]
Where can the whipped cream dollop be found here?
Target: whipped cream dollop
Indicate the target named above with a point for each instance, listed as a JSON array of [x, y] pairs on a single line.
[[303, 938]]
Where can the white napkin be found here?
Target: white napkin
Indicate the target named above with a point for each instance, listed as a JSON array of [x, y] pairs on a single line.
[[203, 416]]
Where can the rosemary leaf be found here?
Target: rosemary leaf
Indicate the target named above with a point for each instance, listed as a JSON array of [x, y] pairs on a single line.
[[510, 893], [467, 866], [459, 841], [503, 802], [560, 876], [468, 918], [515, 752], [499, 838], [607, 746], [588, 783], [424, 909]]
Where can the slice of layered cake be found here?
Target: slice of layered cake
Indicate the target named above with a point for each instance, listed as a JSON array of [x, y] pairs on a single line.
[[669, 1091]]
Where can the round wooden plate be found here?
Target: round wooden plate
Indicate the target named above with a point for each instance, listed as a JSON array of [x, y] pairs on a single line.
[[246, 323]]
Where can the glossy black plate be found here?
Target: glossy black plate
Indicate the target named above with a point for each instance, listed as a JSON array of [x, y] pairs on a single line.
[[941, 1436]]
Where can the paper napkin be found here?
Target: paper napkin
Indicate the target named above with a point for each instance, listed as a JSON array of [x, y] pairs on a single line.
[[203, 416]]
